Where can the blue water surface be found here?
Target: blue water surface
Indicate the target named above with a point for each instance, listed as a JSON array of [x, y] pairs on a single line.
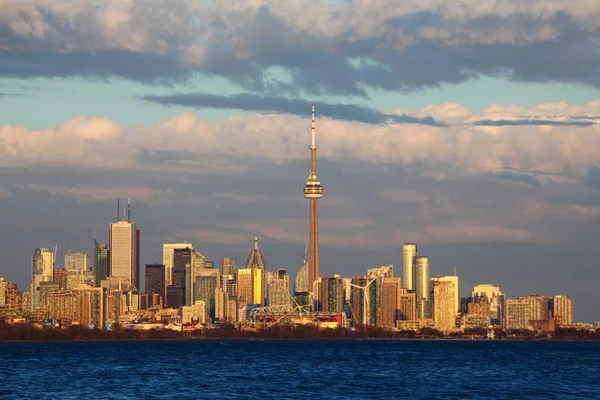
[[301, 370]]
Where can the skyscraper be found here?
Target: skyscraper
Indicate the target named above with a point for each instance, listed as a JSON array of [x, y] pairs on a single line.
[[496, 299], [101, 257], [563, 310], [329, 294], [256, 260], [409, 252], [387, 314], [313, 191], [42, 262], [77, 262], [121, 249], [278, 288], [445, 301], [168, 249], [422, 287], [155, 280]]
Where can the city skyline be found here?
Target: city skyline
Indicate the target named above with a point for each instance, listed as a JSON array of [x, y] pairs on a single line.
[[452, 127]]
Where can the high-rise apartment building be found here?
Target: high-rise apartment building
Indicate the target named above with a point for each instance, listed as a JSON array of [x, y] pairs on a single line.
[[407, 304], [387, 314], [77, 262], [517, 314], [357, 300], [42, 263], [329, 294], [540, 307], [563, 310], [278, 288], [409, 252], [422, 286], [495, 298], [3, 291], [446, 301]]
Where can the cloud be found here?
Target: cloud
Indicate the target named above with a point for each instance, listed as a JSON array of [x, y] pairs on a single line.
[[343, 49], [250, 102], [187, 144], [522, 178]]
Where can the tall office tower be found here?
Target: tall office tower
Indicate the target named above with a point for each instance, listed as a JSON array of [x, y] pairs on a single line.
[[517, 314], [387, 314], [422, 287], [77, 262], [182, 261], [249, 287], [313, 191], [155, 282], [42, 263], [278, 288], [101, 258], [228, 273], [563, 310], [3, 291], [256, 260], [496, 299], [168, 249], [357, 300], [301, 294], [122, 246], [329, 294], [407, 305], [409, 252], [539, 307], [205, 286], [136, 276], [445, 302]]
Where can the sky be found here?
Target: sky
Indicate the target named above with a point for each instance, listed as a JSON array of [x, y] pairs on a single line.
[[471, 128]]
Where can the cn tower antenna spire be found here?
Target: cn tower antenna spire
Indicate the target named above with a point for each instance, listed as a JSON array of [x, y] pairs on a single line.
[[313, 134]]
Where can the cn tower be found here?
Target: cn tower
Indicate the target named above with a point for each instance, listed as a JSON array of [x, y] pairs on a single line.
[[313, 191]]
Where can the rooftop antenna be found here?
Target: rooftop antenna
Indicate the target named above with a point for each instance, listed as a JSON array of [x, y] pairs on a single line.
[[256, 242], [128, 210], [118, 210], [454, 271]]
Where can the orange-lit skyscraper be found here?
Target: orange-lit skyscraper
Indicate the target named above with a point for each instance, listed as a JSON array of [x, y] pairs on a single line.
[[313, 191]]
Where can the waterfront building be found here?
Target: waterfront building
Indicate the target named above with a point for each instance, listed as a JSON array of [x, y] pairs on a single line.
[[409, 253], [495, 298], [422, 286], [301, 293], [517, 314], [454, 280], [3, 291], [445, 302], [540, 307], [357, 300], [313, 191], [387, 314], [407, 305], [563, 310]]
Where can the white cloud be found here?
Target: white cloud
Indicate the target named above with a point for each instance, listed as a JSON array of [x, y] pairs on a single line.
[[103, 143]]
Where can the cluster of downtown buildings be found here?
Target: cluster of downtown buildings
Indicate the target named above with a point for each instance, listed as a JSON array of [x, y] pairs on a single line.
[[187, 289]]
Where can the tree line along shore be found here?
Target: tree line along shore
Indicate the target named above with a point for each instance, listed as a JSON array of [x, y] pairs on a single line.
[[31, 333]]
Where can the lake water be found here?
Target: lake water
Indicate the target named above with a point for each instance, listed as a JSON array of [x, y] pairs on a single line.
[[301, 370]]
